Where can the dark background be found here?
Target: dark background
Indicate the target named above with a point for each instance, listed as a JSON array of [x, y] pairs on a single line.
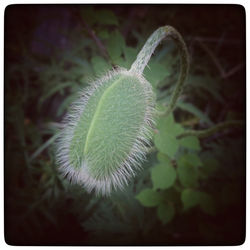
[[43, 209]]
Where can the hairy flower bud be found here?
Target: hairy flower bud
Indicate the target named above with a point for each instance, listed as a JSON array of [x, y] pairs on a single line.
[[107, 132], [108, 129]]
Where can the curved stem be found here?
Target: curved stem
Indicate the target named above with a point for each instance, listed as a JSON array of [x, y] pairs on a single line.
[[207, 132], [147, 51]]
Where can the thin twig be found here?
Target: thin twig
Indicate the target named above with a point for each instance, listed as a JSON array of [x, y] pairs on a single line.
[[233, 70], [207, 132]]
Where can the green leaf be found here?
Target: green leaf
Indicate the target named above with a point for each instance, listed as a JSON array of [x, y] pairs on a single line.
[[165, 140], [162, 158], [103, 34], [191, 142], [187, 171], [177, 129], [149, 197], [187, 175], [155, 73], [163, 176], [99, 64], [189, 198], [166, 143], [165, 212], [192, 159], [195, 111], [120, 61], [115, 45], [166, 122]]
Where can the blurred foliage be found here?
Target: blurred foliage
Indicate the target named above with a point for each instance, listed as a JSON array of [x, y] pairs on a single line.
[[191, 191]]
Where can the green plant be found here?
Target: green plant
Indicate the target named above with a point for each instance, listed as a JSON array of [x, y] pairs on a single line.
[[195, 167], [121, 104], [117, 106]]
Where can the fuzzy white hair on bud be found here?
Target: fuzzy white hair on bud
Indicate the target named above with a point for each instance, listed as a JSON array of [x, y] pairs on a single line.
[[106, 134]]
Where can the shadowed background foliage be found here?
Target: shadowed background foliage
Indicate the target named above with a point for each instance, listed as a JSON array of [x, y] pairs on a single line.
[[51, 51]]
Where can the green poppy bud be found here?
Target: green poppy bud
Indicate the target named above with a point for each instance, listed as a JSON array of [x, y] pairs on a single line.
[[106, 133]]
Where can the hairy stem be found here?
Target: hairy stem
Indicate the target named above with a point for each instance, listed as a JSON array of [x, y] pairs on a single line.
[[207, 132], [147, 51]]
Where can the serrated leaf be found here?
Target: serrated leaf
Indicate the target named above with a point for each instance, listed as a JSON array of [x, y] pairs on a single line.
[[191, 142], [166, 123], [149, 198], [165, 140], [163, 176], [165, 212], [166, 144], [115, 45], [99, 64]]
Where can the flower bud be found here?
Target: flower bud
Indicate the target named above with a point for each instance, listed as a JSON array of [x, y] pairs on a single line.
[[106, 132]]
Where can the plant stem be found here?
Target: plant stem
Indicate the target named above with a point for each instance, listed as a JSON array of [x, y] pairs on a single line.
[[147, 51], [207, 132]]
